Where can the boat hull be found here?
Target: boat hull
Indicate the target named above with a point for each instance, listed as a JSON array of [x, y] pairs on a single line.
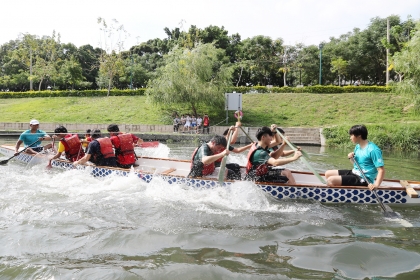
[[307, 187]]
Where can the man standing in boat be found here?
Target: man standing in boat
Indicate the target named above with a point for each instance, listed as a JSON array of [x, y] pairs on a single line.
[[124, 146], [33, 137], [369, 157], [99, 151], [260, 163], [204, 157], [70, 144]]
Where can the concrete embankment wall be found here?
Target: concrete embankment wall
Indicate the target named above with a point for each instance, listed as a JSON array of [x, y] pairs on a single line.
[[297, 135]]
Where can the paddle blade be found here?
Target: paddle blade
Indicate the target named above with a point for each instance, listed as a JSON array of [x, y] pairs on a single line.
[[222, 171], [388, 212], [3, 162], [391, 214]]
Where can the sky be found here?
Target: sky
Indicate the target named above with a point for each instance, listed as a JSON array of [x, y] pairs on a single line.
[[295, 21]]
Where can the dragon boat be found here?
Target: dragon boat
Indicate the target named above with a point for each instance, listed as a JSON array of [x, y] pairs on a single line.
[[308, 186]]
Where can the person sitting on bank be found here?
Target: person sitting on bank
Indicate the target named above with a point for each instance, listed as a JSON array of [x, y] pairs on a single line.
[[260, 163], [204, 157], [124, 146], [33, 137], [99, 151], [69, 144]]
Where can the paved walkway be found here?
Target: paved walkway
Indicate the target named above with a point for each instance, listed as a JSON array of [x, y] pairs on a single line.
[[297, 135]]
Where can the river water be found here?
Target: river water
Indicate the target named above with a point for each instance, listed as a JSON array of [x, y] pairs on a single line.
[[68, 225]]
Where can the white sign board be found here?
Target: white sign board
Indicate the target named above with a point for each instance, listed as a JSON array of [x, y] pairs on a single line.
[[233, 101]]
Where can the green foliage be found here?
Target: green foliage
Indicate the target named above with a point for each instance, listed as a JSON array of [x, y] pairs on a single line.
[[407, 62], [401, 136], [245, 90], [194, 77], [67, 93], [311, 89]]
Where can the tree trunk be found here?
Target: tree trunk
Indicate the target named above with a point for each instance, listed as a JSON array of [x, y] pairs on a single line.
[[240, 75], [109, 84], [40, 83], [284, 79], [31, 83]]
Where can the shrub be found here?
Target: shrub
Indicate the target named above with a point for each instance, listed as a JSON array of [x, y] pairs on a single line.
[[310, 89], [401, 137], [67, 93]]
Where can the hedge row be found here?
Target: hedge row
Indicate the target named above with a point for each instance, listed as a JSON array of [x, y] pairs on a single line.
[[66, 93], [255, 89], [311, 89]]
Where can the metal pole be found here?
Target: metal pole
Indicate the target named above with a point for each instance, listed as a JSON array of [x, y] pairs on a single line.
[[320, 63]]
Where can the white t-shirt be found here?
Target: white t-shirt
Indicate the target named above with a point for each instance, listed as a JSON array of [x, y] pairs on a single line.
[[188, 121]]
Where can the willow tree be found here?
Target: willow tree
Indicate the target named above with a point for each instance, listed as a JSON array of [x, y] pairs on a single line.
[[407, 62], [194, 77]]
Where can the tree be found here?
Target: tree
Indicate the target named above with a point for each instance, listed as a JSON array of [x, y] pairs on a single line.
[[407, 62], [26, 52], [339, 66], [111, 63], [195, 77], [134, 73], [71, 72], [88, 58]]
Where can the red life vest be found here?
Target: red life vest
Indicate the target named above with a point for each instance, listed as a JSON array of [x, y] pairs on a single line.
[[125, 152], [106, 147], [72, 147], [261, 169], [206, 121], [207, 168]]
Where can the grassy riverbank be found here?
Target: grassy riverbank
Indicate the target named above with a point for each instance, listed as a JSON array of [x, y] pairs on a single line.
[[285, 109], [388, 116]]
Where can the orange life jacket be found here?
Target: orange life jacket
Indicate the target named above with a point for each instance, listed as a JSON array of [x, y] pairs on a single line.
[[125, 153], [106, 147], [72, 147], [207, 168], [261, 169]]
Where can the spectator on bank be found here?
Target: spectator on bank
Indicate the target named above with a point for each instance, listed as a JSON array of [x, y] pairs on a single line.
[[177, 121], [187, 124], [182, 122], [206, 124], [193, 122], [199, 124]]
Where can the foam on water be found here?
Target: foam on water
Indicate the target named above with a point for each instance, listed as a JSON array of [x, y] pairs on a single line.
[[162, 151]]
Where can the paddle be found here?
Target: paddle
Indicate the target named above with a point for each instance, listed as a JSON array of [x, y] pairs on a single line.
[[7, 160], [238, 115], [385, 208], [223, 164], [293, 147]]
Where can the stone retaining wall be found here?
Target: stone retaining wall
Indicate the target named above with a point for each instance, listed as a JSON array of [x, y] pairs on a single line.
[[297, 135]]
